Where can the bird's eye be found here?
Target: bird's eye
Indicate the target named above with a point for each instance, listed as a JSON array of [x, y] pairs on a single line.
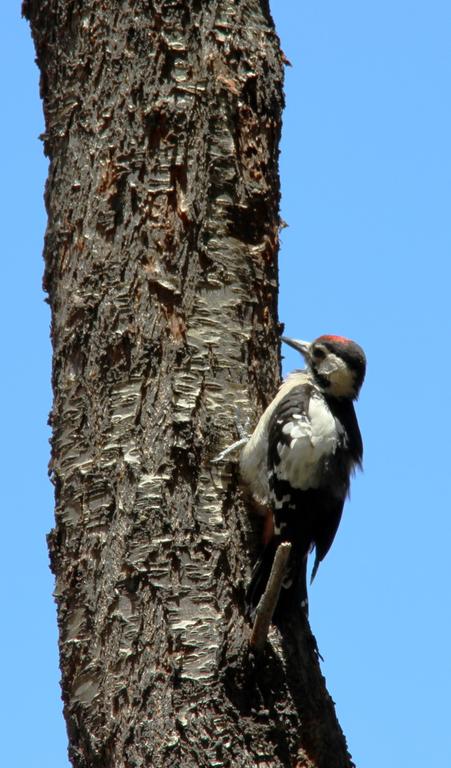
[[319, 354]]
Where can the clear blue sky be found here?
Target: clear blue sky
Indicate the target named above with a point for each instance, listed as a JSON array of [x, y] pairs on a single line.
[[366, 175]]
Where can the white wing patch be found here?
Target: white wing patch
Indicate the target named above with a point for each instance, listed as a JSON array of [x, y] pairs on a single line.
[[311, 438], [254, 456]]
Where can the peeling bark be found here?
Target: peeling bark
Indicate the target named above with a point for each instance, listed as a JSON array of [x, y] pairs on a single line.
[[162, 128]]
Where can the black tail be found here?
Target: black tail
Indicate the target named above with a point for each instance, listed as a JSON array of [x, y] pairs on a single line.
[[294, 585]]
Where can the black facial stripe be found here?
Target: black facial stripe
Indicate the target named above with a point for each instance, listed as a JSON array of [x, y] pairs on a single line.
[[322, 380], [351, 354]]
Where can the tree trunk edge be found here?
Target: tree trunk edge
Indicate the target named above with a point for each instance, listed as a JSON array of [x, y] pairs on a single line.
[[110, 613]]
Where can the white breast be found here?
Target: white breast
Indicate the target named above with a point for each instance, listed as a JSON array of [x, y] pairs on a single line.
[[311, 439]]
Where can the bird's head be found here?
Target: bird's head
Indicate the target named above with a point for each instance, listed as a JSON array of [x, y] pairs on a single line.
[[337, 364]]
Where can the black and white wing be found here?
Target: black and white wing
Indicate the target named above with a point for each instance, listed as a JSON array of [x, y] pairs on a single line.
[[307, 478]]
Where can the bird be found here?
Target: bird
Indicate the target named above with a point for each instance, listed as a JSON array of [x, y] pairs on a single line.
[[299, 460]]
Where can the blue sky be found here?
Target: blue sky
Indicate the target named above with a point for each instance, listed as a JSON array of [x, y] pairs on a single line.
[[366, 176]]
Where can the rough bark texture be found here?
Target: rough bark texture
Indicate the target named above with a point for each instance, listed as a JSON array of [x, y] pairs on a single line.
[[162, 128]]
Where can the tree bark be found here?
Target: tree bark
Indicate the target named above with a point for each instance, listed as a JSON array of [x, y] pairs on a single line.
[[162, 128]]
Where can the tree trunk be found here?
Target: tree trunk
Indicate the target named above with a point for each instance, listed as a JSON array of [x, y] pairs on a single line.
[[162, 127]]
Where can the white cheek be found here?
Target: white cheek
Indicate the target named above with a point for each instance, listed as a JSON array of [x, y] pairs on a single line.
[[332, 365], [341, 378]]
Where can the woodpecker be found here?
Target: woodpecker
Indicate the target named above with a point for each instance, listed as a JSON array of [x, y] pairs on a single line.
[[299, 460]]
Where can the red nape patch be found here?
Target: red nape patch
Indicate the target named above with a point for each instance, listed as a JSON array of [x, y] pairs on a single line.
[[340, 339]]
